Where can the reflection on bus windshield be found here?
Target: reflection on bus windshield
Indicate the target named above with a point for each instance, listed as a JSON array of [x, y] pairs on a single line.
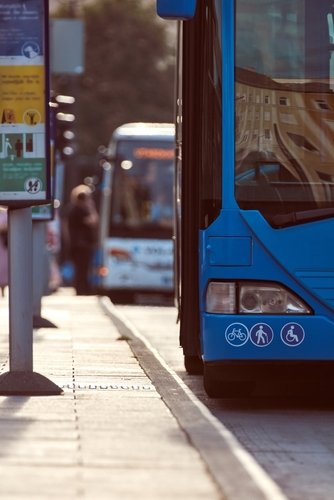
[[284, 106]]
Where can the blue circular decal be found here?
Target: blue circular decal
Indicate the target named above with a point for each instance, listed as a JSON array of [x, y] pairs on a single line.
[[30, 50], [292, 334], [261, 334], [237, 334]]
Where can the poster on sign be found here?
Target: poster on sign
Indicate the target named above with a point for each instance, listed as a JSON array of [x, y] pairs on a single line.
[[24, 103]]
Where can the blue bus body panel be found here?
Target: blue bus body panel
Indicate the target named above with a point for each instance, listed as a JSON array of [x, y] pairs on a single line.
[[241, 245], [299, 257], [316, 342], [228, 99]]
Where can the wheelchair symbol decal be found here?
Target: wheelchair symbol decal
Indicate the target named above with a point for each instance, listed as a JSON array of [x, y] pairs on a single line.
[[292, 334], [261, 334], [237, 334]]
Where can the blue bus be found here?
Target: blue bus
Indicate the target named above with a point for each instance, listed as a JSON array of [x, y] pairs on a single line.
[[255, 149], [136, 252]]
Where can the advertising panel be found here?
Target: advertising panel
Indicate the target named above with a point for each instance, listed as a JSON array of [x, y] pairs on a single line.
[[24, 109]]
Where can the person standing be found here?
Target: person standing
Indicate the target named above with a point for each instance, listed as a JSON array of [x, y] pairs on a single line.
[[82, 220]]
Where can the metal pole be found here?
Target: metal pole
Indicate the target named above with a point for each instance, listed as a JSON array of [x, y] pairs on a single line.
[[21, 379], [20, 289], [38, 265]]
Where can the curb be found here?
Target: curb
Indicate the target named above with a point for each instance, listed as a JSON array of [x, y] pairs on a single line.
[[232, 467]]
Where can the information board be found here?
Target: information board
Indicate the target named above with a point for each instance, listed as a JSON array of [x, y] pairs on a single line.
[[24, 103]]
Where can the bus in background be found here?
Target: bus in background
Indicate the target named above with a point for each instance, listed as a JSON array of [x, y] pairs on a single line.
[[136, 253], [256, 253]]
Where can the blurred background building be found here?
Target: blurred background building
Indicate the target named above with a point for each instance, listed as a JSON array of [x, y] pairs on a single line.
[[125, 74]]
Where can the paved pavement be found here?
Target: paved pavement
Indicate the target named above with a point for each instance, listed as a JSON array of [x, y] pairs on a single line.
[[109, 435]]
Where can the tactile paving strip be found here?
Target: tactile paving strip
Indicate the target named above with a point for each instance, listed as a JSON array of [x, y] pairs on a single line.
[[108, 387]]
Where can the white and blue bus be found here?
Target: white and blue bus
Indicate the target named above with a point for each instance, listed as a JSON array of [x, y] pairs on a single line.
[[136, 215], [256, 232]]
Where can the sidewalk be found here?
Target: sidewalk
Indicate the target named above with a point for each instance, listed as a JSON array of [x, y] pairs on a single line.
[[109, 435]]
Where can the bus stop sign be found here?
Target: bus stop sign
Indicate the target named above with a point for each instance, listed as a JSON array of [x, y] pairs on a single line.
[[24, 103]]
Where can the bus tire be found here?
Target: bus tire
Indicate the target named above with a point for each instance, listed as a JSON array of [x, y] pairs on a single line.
[[217, 387], [193, 365], [122, 297]]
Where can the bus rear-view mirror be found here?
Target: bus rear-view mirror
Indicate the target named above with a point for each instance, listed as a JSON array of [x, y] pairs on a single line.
[[176, 9]]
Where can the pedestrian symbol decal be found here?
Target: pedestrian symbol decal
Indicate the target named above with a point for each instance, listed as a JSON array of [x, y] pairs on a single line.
[[261, 334], [292, 334], [237, 334], [33, 185]]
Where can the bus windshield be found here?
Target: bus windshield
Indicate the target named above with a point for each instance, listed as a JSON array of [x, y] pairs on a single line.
[[284, 102], [142, 192]]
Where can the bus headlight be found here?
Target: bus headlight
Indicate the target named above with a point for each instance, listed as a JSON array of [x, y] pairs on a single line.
[[269, 299], [253, 298]]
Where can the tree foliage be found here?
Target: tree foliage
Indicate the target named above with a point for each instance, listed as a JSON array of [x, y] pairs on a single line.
[[129, 67]]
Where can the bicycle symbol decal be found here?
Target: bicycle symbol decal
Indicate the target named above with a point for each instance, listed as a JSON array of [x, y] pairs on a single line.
[[292, 334], [261, 334], [236, 334]]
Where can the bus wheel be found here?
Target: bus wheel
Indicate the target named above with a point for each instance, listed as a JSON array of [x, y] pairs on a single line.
[[217, 387], [193, 365], [122, 297]]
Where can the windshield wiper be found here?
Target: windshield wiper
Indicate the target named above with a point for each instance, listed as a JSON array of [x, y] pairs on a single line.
[[282, 220]]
